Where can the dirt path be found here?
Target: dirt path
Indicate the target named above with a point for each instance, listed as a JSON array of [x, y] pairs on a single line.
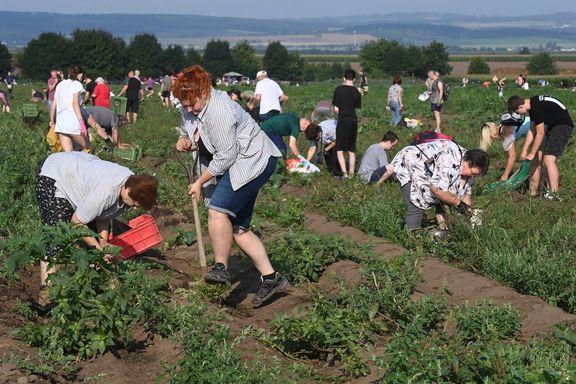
[[456, 285]]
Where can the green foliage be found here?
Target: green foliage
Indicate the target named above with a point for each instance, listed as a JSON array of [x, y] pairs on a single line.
[[5, 60], [93, 304], [276, 61], [244, 57], [45, 53], [478, 66], [173, 59], [193, 57], [542, 64], [486, 321], [144, 54], [217, 58], [100, 53], [303, 255], [436, 55], [183, 238]]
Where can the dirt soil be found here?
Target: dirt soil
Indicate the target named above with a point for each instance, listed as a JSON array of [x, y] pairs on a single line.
[[142, 362]]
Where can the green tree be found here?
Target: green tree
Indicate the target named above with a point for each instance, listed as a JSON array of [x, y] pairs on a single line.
[[99, 53], [415, 62], [145, 54], [295, 67], [173, 59], [193, 57], [478, 66], [542, 64], [244, 56], [436, 55], [372, 55], [5, 60], [276, 61], [44, 53], [217, 57], [390, 57]]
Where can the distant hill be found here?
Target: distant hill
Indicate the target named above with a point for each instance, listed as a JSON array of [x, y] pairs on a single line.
[[18, 28]]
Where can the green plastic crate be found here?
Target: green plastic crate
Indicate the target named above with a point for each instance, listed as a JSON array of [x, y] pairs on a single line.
[[118, 104], [130, 153]]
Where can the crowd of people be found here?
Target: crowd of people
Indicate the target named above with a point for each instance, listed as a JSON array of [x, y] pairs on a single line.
[[241, 136]]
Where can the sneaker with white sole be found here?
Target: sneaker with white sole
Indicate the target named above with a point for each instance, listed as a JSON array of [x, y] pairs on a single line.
[[268, 288], [553, 196], [217, 275]]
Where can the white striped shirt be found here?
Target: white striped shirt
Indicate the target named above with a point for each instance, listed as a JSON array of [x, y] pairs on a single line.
[[233, 138]]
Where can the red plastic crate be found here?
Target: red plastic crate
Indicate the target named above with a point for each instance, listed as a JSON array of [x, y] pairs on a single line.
[[143, 236]]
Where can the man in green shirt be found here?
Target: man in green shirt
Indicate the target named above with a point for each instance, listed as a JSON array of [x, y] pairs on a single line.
[[285, 124]]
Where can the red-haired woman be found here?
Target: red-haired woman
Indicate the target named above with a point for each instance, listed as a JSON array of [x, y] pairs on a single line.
[[242, 161]]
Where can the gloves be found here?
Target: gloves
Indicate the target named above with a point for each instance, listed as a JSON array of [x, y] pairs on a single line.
[[463, 208], [83, 129]]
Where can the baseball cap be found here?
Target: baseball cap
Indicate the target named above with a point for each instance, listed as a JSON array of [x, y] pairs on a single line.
[[261, 73], [511, 118]]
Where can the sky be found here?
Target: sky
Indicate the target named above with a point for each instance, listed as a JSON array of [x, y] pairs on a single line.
[[262, 9]]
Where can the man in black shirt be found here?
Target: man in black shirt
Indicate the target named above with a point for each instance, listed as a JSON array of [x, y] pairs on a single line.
[[345, 100], [134, 93], [545, 144]]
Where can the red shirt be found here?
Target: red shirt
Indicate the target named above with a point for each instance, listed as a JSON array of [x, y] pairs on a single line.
[[101, 95]]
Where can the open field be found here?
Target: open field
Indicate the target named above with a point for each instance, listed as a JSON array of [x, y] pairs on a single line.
[[368, 302]]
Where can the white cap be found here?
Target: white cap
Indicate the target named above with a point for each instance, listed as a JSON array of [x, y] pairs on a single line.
[[261, 73]]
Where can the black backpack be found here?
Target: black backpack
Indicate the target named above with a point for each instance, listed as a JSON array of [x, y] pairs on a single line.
[[446, 92]]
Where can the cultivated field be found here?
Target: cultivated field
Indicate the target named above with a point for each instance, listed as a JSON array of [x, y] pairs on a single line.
[[367, 302]]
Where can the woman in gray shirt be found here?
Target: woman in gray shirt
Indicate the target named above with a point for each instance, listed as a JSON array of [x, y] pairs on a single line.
[[81, 188]]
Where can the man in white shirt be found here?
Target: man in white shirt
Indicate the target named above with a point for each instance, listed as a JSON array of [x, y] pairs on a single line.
[[270, 96]]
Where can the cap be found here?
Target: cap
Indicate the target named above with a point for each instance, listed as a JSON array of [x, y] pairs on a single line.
[[511, 118], [261, 73]]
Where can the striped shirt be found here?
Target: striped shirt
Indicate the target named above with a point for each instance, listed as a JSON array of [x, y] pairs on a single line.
[[233, 138]]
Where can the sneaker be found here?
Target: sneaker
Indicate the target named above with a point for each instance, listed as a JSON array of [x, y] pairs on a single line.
[[553, 196], [268, 288], [217, 275]]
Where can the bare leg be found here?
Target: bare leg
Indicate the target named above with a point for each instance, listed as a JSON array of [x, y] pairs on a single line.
[[220, 231], [134, 118], [341, 161], [66, 142], [535, 168], [253, 247], [438, 118], [552, 170], [351, 162]]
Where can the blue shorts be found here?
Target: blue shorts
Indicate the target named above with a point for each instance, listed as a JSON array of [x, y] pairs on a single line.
[[239, 204]]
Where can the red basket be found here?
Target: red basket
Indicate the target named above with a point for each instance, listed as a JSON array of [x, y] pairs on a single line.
[[143, 236]]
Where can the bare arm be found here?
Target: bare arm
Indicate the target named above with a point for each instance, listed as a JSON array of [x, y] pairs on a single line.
[[509, 162], [293, 146], [537, 141]]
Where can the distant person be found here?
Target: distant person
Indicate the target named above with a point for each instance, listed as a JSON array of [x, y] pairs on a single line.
[[285, 125], [149, 86], [269, 95], [464, 82], [134, 93], [325, 131], [101, 93], [363, 83], [395, 103], [165, 90], [346, 99], [375, 160], [89, 85], [549, 112], [234, 94], [436, 90], [10, 81], [522, 82], [106, 123], [5, 102], [36, 95], [52, 82], [65, 113]]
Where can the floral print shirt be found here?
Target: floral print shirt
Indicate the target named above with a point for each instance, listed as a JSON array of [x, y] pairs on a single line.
[[436, 163]]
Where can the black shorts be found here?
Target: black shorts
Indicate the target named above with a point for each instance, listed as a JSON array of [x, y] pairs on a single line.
[[165, 94], [132, 105], [436, 107], [346, 133], [556, 139]]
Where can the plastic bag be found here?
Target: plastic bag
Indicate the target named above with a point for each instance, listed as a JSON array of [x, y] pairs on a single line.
[[53, 141], [301, 165]]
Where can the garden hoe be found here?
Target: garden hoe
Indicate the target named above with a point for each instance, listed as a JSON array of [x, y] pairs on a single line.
[[190, 174]]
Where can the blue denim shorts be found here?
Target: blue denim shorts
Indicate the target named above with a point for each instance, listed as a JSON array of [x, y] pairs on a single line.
[[239, 204]]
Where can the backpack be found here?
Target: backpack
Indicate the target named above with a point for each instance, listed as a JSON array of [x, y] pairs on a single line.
[[446, 92], [428, 136]]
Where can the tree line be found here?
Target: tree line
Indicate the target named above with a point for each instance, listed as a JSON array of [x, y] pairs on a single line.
[[102, 54]]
